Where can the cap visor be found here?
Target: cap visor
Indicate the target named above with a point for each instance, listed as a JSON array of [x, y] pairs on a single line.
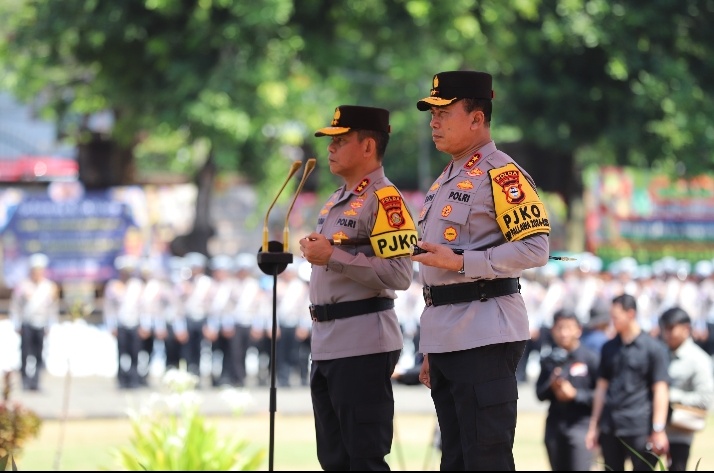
[[331, 131], [428, 102]]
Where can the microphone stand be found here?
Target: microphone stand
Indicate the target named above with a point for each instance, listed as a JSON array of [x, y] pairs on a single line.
[[273, 259], [273, 262]]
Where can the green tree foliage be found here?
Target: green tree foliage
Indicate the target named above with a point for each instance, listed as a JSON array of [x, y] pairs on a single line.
[[577, 81], [617, 82]]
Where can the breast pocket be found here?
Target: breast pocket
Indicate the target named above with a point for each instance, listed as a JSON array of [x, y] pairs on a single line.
[[422, 215], [453, 218]]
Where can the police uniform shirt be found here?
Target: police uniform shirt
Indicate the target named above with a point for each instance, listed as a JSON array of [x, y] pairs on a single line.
[[197, 297], [35, 303], [250, 302], [122, 302], [631, 370], [459, 212], [294, 298], [355, 273]]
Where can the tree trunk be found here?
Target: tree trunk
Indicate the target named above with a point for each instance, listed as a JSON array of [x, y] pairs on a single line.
[[197, 239]]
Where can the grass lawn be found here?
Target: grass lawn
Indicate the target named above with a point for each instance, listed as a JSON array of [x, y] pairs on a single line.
[[90, 444]]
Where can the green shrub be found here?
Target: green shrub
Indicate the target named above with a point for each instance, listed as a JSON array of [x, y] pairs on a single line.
[[171, 434], [17, 425]]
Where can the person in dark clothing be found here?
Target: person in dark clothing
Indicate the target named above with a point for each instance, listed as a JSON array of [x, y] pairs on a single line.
[[631, 399], [567, 379], [598, 329]]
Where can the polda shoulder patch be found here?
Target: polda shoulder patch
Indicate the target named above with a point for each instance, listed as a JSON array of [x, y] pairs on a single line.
[[394, 233], [519, 211]]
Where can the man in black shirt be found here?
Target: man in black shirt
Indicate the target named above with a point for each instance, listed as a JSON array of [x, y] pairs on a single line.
[[567, 379], [632, 394]]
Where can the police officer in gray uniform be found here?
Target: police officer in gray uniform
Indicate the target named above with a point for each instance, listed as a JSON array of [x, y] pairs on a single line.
[[481, 225], [356, 338]]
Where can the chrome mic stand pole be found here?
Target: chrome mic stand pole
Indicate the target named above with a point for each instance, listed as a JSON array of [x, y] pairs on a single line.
[[273, 262]]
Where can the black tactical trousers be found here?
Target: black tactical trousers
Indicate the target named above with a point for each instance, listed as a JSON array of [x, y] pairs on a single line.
[[475, 393], [353, 405]]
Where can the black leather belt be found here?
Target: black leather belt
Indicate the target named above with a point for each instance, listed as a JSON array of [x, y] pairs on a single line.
[[342, 310], [470, 291]]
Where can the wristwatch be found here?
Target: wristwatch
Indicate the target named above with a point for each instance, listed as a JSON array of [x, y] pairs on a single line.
[[462, 270], [658, 428]]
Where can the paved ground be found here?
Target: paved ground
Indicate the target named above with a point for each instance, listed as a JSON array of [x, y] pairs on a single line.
[[98, 397]]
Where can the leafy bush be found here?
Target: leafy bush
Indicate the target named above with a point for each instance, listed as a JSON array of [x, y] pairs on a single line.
[[171, 434], [17, 423]]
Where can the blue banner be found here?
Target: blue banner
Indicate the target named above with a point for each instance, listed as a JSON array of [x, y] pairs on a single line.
[[81, 237]]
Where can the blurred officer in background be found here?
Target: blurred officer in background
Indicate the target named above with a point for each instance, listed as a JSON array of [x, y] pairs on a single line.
[[356, 338], [195, 296], [567, 379], [34, 308], [250, 304], [292, 313], [172, 326], [150, 307], [691, 380], [159, 305], [123, 318], [216, 331]]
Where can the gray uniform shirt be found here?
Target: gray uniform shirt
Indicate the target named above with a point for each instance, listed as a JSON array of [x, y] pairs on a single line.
[[691, 383], [354, 273], [459, 212]]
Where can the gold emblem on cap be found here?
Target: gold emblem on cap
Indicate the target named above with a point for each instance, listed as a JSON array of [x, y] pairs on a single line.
[[336, 117], [433, 91]]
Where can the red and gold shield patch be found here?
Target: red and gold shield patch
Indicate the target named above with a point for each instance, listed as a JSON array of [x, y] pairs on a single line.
[[510, 185], [392, 204]]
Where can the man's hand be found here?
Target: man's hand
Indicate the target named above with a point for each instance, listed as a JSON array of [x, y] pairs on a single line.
[[658, 443], [424, 377], [591, 441], [564, 390], [316, 249], [439, 256]]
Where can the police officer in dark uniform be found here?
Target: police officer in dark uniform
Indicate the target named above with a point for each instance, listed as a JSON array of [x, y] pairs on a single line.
[[567, 379], [356, 338], [482, 225]]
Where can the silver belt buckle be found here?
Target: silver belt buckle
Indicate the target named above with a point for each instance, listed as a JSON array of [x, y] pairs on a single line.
[[313, 313]]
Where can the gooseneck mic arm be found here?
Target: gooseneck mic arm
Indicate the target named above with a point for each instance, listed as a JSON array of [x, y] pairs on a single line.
[[309, 166], [293, 169]]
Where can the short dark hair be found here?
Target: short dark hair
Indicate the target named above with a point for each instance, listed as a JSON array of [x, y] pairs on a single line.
[[380, 138], [486, 106], [565, 314], [674, 316], [626, 301]]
